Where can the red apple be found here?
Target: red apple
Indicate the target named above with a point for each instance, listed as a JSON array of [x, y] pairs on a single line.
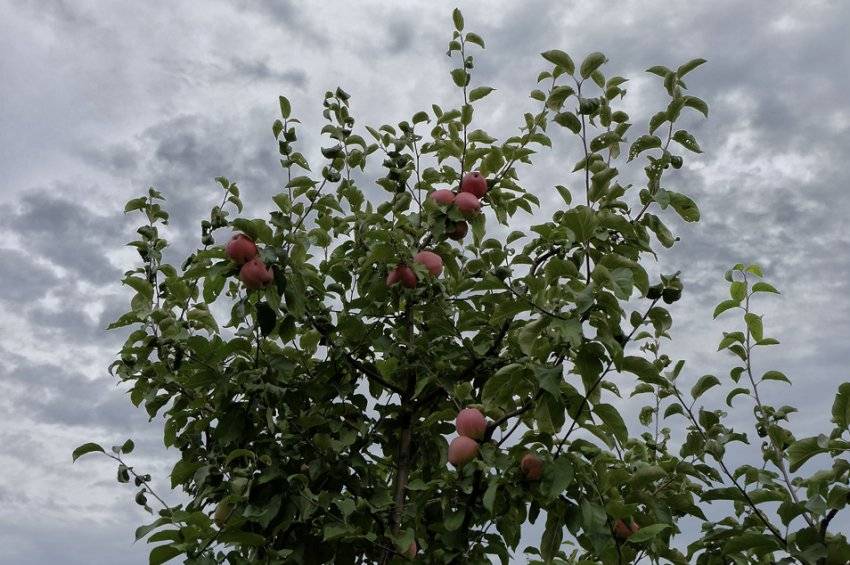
[[443, 196], [240, 249], [531, 466], [402, 274], [623, 531], [431, 261], [462, 450], [255, 275], [471, 423], [458, 231], [467, 203], [411, 550], [474, 183]]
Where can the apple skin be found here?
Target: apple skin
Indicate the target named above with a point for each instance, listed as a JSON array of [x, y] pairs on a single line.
[[471, 423], [412, 549], [462, 450], [531, 466], [240, 249], [622, 531], [443, 196], [402, 274], [458, 231], [255, 275], [467, 203], [474, 183], [431, 261], [223, 512]]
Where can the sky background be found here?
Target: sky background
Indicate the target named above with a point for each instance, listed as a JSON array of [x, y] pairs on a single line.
[[99, 100]]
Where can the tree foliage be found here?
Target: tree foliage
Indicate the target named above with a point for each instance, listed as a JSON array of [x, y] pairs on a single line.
[[313, 415]]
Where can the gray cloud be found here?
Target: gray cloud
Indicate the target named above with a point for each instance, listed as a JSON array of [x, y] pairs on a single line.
[[98, 105]]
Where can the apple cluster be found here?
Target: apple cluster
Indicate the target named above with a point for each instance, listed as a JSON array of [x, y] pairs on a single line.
[[473, 187], [253, 273], [471, 426]]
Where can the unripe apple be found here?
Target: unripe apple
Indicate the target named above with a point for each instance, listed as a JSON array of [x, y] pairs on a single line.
[[531, 466], [412, 549], [443, 196], [471, 423], [467, 203], [223, 512], [474, 183], [462, 450], [431, 261], [402, 274], [622, 531], [240, 249], [458, 231], [255, 275]]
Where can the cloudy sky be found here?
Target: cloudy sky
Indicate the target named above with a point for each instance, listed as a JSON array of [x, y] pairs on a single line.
[[99, 100]]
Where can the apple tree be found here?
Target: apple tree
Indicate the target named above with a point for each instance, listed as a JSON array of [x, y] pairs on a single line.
[[313, 367]]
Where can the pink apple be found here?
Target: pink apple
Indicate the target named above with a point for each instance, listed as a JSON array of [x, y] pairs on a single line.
[[531, 466], [474, 183], [255, 275], [471, 423], [412, 549], [402, 274], [467, 203], [431, 261], [443, 196], [240, 249], [622, 531], [462, 450]]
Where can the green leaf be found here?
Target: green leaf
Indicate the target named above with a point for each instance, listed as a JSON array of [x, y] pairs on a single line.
[[128, 447], [457, 18], [647, 533], [751, 542], [802, 450], [479, 93], [697, 104], [558, 57], [266, 318], [754, 325], [591, 63], [775, 376], [553, 534], [656, 120], [613, 421], [285, 107], [738, 290], [568, 120], [86, 448], [704, 383], [687, 141], [725, 305], [735, 392], [529, 335], [659, 70], [163, 553], [645, 370], [684, 206], [242, 538], [489, 498], [460, 77], [475, 38], [643, 143], [674, 408], [764, 287], [689, 66], [841, 407], [557, 476]]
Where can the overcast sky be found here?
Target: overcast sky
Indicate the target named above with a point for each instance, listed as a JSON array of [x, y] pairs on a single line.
[[99, 100]]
